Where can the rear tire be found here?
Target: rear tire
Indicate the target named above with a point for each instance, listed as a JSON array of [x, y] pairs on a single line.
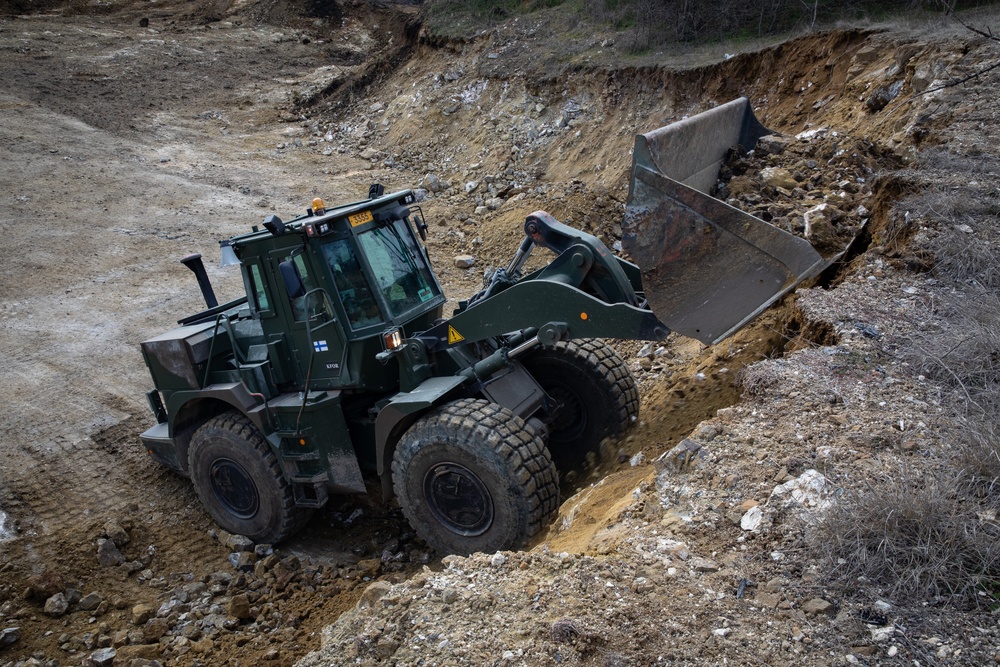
[[598, 394], [239, 482], [471, 476]]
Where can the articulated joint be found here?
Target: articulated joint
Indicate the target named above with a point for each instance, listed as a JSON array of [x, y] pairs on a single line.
[[552, 333]]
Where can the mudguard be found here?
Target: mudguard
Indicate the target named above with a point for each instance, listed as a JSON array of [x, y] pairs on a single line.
[[403, 410]]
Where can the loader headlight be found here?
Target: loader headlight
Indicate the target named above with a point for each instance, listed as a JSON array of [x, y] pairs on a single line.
[[392, 339]]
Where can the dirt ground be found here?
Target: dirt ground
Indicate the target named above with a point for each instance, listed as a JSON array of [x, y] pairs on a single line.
[[133, 136]]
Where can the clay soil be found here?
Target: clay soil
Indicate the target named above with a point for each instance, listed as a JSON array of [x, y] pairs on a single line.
[[134, 134]]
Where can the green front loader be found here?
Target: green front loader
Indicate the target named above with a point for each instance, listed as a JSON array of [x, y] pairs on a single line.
[[339, 361]]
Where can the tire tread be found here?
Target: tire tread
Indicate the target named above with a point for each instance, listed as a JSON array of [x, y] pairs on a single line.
[[293, 518], [525, 456]]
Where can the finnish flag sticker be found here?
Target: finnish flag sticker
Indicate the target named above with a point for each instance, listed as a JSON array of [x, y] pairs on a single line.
[[320, 346]]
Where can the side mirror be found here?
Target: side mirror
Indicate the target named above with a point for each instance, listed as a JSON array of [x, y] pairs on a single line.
[[293, 281]]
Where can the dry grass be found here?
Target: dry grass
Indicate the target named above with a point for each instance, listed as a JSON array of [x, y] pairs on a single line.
[[977, 453], [963, 215], [933, 530], [928, 527], [960, 214], [645, 26], [917, 532], [962, 350], [968, 257]]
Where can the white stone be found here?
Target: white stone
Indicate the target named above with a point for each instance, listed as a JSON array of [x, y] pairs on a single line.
[[809, 490], [753, 519], [779, 177], [809, 135]]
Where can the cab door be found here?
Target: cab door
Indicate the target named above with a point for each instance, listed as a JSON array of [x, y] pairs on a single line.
[[315, 334]]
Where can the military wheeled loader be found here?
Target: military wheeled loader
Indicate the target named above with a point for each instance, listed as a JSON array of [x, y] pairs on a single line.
[[339, 361]]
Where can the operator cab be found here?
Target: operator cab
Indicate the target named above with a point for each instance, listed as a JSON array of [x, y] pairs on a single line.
[[328, 285]]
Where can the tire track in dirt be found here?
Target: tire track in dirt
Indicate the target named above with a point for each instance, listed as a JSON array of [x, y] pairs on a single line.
[[73, 374]]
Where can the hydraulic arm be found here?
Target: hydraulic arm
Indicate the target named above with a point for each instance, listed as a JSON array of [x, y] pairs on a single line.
[[585, 292]]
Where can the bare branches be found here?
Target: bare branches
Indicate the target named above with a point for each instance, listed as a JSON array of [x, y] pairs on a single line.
[[986, 32], [964, 79]]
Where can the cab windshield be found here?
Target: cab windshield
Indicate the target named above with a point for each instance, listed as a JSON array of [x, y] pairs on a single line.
[[400, 272]]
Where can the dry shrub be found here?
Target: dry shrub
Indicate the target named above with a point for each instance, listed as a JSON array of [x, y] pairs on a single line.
[[917, 532], [963, 348], [756, 379], [977, 454]]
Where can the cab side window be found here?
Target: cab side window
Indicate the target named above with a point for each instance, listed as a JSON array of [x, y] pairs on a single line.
[[256, 289], [310, 303]]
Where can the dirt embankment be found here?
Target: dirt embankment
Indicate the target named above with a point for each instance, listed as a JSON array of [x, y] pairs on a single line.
[[129, 143]]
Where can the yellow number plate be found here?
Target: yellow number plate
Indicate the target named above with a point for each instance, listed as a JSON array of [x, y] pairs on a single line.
[[360, 218]]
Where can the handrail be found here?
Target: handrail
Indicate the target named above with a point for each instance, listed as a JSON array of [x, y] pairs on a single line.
[[328, 302]]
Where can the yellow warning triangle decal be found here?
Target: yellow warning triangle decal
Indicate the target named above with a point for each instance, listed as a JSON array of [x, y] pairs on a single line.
[[454, 336]]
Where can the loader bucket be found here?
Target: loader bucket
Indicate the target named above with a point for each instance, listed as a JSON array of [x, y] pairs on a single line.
[[707, 268]]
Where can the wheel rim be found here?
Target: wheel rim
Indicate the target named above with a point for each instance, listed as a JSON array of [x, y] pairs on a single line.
[[234, 488], [572, 420], [458, 499]]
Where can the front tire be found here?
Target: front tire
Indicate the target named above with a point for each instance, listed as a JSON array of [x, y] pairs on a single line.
[[239, 482], [471, 476], [596, 391]]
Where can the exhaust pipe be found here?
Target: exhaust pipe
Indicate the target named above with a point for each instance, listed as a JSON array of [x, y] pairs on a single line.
[[193, 262]]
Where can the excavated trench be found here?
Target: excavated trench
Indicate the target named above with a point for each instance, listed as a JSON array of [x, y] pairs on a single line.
[[796, 87]]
